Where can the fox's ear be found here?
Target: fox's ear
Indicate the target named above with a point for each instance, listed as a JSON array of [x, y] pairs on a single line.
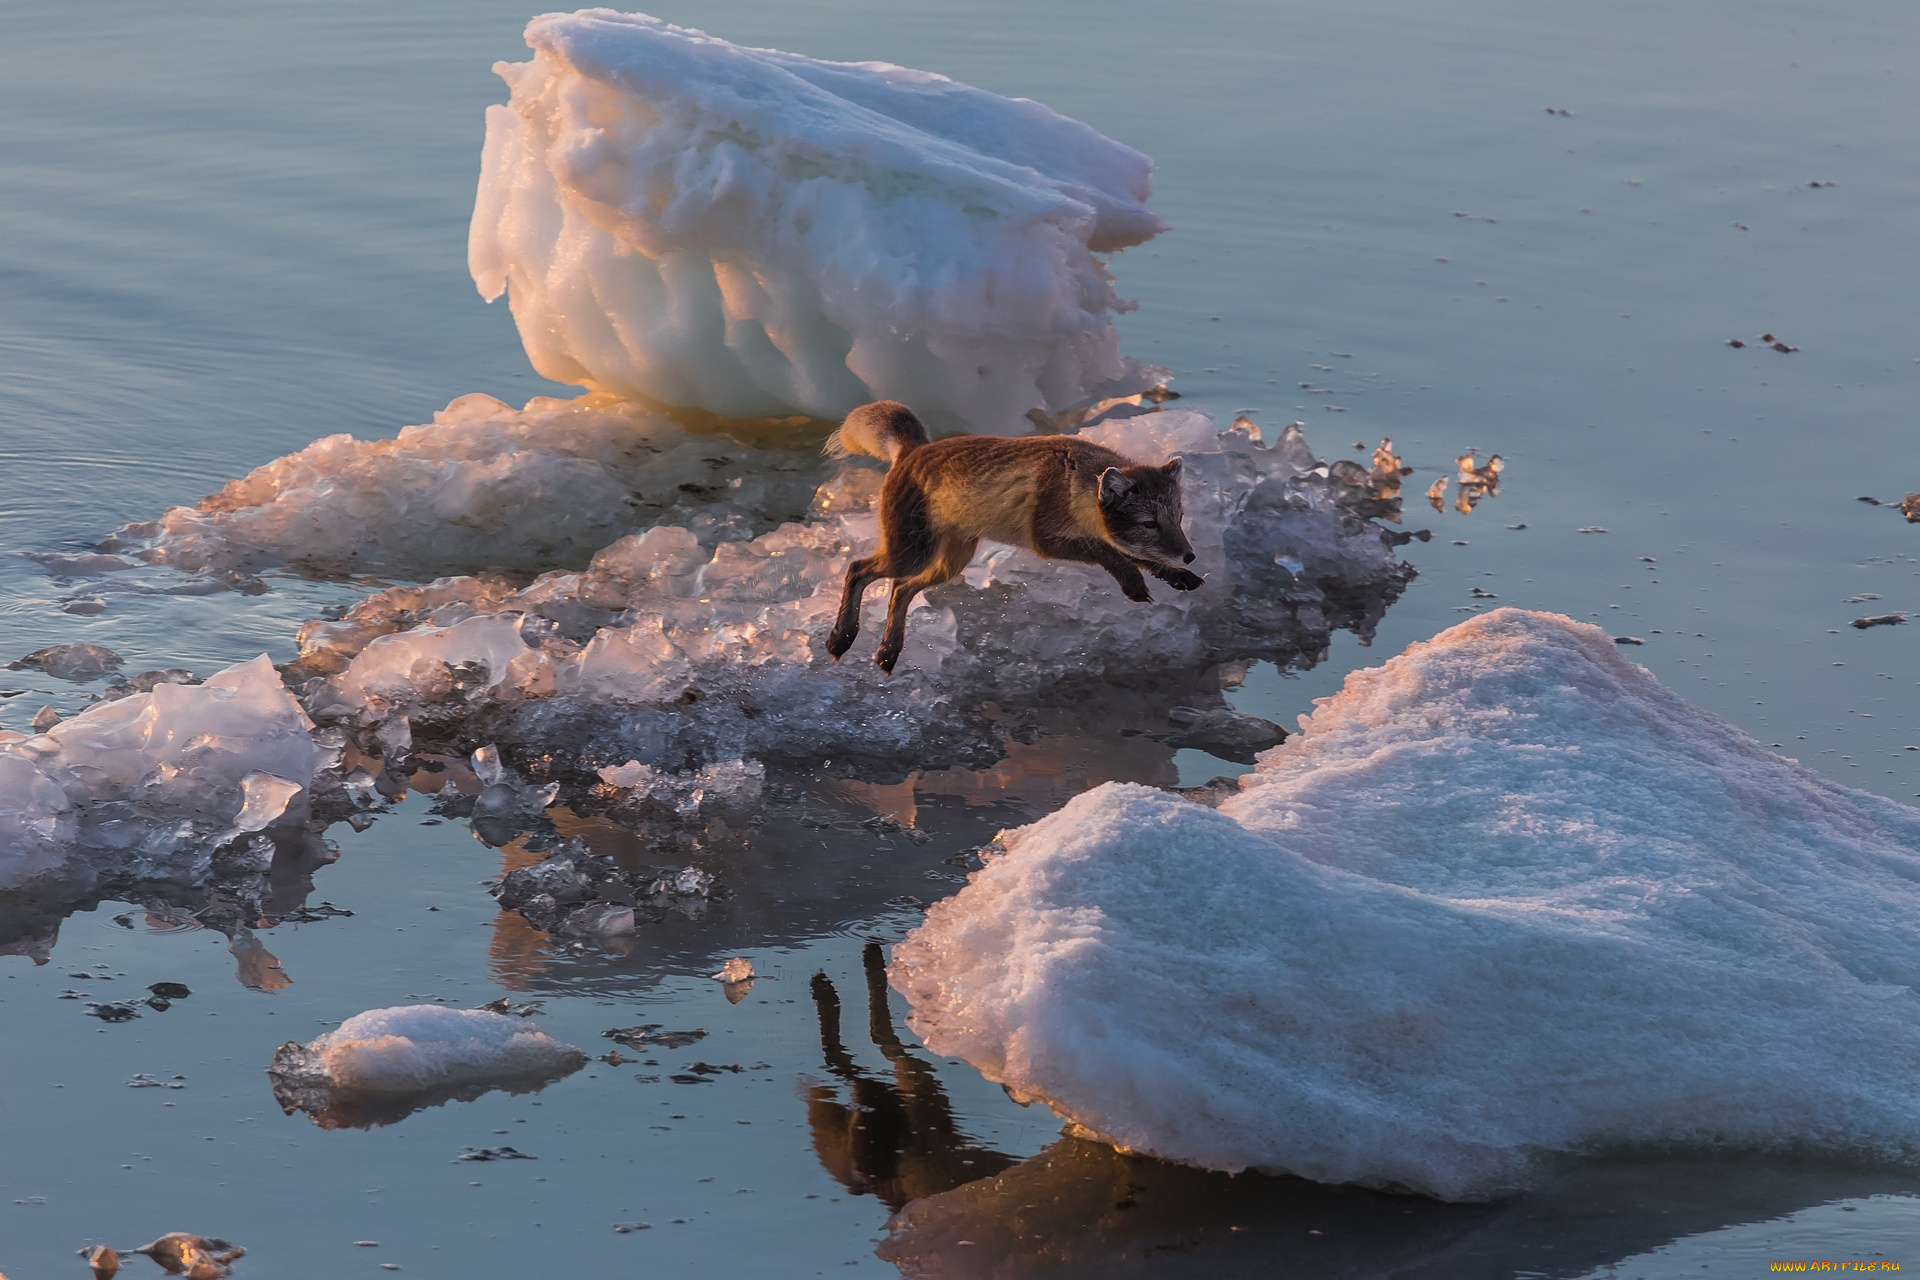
[[1114, 486], [1172, 470]]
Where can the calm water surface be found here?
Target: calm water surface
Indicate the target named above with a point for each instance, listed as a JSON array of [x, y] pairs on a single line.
[[229, 229]]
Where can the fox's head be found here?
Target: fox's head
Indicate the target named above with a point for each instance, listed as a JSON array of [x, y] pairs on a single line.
[[1142, 509]]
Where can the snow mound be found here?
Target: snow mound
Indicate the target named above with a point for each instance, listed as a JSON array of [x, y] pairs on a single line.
[[482, 486], [670, 654], [753, 232], [155, 782], [381, 1065], [1504, 896]]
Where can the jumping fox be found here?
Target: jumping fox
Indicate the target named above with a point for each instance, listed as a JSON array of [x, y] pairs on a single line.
[[1059, 497]]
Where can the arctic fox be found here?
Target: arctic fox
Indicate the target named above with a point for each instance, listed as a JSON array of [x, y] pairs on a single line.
[[1059, 497]]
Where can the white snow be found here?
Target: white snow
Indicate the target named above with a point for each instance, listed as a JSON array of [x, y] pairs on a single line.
[[1504, 896], [752, 232], [410, 1049], [145, 778], [672, 648], [482, 486]]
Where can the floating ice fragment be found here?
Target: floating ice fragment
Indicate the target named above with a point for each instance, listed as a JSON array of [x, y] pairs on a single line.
[[378, 1066], [1502, 897], [76, 662], [1880, 620], [492, 1153], [180, 1253], [752, 232], [738, 969]]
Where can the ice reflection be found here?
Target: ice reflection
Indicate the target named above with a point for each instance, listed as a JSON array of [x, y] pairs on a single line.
[[1082, 1209], [895, 1140]]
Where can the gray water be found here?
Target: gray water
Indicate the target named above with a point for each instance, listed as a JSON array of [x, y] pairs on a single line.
[[229, 229]]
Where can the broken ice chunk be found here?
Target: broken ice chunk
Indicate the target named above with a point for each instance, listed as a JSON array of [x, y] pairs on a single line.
[[738, 969], [263, 799], [378, 1066], [487, 766], [812, 235]]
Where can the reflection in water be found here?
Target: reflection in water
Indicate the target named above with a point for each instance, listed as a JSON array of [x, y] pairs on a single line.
[[350, 1109], [896, 1140], [1083, 1210]]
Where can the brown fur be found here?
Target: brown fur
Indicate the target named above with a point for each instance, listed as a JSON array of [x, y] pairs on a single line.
[[1059, 497]]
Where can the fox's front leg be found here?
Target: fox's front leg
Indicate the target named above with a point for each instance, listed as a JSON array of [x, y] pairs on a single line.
[[1178, 579], [1087, 551]]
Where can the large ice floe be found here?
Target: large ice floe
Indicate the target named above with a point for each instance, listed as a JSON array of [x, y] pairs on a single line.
[[675, 652], [753, 232], [1504, 896], [380, 1066]]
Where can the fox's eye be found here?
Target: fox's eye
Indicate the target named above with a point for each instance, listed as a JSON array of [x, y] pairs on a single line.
[[1149, 524]]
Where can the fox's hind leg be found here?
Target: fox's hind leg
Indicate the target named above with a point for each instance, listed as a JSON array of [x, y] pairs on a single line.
[[861, 574], [947, 565]]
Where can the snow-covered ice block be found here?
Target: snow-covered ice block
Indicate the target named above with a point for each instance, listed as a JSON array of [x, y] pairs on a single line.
[[139, 783], [482, 486], [379, 1065], [1503, 896], [753, 232], [668, 653]]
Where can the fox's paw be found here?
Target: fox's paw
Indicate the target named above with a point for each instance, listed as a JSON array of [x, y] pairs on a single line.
[[1182, 579], [1139, 594], [885, 660], [838, 643]]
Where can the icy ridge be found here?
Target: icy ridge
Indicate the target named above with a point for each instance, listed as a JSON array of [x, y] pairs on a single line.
[[671, 654], [483, 486], [753, 232], [1503, 896]]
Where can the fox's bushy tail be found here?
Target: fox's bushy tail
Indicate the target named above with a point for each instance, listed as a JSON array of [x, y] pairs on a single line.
[[884, 429]]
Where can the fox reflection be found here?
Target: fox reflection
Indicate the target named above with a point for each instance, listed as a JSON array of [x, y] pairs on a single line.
[[894, 1140]]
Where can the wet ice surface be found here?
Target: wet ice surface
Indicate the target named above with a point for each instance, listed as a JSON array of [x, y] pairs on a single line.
[[189, 303]]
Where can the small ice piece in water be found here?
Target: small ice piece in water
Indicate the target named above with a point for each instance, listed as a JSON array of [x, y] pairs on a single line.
[[750, 232], [1502, 898], [45, 718], [104, 1261], [1910, 508], [492, 1153], [738, 969], [380, 1065], [1880, 620], [76, 662], [180, 1253]]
